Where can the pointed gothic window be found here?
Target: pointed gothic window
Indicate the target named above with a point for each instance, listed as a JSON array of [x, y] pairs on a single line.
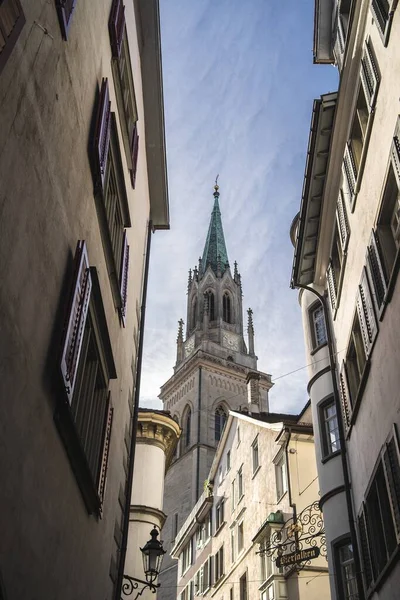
[[186, 428], [193, 316], [211, 305], [226, 308], [220, 420]]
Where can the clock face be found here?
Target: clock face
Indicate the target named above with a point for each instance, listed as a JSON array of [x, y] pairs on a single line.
[[230, 341], [189, 346]]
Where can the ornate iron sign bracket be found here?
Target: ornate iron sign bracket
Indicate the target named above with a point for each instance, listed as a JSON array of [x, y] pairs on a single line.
[[298, 534], [131, 584]]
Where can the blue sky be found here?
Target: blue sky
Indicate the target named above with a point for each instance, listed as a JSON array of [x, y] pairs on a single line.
[[238, 89]]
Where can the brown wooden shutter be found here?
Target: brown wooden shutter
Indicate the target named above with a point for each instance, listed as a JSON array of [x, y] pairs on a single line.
[[366, 313], [75, 326], [106, 450], [65, 8], [345, 396], [12, 20], [332, 286], [134, 154], [116, 27], [376, 271], [102, 135], [124, 277], [391, 463], [365, 548]]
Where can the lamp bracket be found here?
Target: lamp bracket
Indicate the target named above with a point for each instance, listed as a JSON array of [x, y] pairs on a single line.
[[130, 584]]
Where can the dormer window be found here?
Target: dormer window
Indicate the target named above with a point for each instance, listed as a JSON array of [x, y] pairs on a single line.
[[226, 308]]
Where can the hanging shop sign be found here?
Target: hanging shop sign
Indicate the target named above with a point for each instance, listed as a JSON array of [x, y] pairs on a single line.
[[294, 558]]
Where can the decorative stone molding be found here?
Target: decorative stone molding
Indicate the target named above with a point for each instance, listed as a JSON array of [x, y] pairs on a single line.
[[158, 429], [153, 514]]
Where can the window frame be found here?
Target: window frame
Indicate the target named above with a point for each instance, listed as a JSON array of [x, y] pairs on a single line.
[[12, 38], [219, 567], [240, 485], [281, 475], [337, 545], [326, 451], [255, 454], [317, 306], [65, 11], [240, 537], [219, 515], [383, 28]]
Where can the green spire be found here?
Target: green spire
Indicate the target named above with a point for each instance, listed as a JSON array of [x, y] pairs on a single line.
[[215, 253]]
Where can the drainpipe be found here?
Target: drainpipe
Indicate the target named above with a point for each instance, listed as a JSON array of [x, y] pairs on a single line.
[[345, 467], [198, 439], [129, 483]]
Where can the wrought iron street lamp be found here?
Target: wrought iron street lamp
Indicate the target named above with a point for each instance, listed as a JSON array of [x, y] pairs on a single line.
[[152, 554]]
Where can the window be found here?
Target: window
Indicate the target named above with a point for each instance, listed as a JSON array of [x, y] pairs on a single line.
[[387, 237], [243, 587], [226, 308], [346, 572], [124, 87], [219, 515], [318, 327], [86, 366], [111, 200], [219, 564], [375, 268], [233, 498], [193, 317], [209, 304], [265, 562], [204, 531], [329, 428], [335, 269], [188, 592], [355, 359], [12, 20], [280, 477], [379, 519], [228, 461], [240, 537], [383, 14], [187, 556], [355, 150], [187, 426], [233, 549], [231, 596], [220, 420], [254, 448], [238, 436], [65, 8], [240, 483], [343, 23]]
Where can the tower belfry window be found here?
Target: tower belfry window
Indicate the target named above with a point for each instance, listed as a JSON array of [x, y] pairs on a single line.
[[193, 316], [211, 306], [187, 426], [220, 420], [226, 308]]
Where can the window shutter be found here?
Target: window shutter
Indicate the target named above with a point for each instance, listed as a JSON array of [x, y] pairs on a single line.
[[364, 547], [391, 455], [102, 134], [395, 155], [65, 8], [375, 270], [366, 313], [340, 33], [350, 169], [369, 74], [124, 277], [380, 14], [75, 327], [134, 154], [332, 286], [106, 449], [116, 26], [345, 396], [343, 223]]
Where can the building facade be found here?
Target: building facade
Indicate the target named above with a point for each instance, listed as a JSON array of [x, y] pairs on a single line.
[[83, 186], [346, 239], [261, 490], [210, 376]]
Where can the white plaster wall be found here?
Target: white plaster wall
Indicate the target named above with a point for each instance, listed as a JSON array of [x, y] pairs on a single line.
[[148, 476]]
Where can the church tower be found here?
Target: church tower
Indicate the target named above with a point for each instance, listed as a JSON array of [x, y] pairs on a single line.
[[215, 371]]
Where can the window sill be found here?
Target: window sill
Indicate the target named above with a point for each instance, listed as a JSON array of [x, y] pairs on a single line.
[[256, 471], [317, 348], [328, 457]]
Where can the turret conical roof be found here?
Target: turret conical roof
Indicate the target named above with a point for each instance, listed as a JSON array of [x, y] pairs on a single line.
[[215, 248]]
